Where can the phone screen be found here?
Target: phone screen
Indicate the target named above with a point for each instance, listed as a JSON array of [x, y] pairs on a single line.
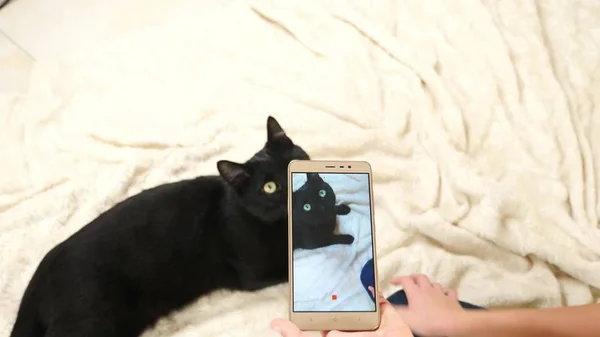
[[332, 241]]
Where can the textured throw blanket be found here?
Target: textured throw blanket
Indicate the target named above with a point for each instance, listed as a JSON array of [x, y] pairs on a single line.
[[480, 119]]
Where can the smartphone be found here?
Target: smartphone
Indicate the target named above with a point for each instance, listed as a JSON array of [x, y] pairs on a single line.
[[332, 259]]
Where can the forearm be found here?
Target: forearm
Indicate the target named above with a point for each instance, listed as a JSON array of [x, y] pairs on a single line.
[[579, 321]]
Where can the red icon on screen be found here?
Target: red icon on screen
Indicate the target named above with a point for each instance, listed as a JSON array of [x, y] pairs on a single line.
[[333, 297]]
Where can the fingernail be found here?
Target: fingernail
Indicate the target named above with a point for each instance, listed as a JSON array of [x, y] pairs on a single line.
[[276, 328]]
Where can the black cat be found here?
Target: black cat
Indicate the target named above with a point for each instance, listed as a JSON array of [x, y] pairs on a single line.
[[314, 215], [161, 249]]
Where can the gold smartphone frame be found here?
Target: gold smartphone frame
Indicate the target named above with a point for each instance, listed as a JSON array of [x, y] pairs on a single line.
[[318, 321]]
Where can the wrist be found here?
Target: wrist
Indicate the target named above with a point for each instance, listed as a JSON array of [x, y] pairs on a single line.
[[463, 324]]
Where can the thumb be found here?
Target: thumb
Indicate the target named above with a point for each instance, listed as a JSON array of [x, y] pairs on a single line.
[[398, 313], [285, 328]]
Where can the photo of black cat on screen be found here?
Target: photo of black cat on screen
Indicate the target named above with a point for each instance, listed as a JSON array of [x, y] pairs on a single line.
[[163, 248], [314, 215]]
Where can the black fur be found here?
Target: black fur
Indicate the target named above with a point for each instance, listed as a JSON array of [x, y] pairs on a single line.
[[314, 212], [165, 247], [4, 3]]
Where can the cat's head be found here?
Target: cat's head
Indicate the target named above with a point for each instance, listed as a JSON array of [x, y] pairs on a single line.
[[314, 201], [261, 182]]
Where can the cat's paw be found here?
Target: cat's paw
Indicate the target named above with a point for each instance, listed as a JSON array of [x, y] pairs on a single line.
[[345, 239], [342, 209]]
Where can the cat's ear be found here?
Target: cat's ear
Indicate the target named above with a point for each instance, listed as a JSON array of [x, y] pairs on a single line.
[[276, 137], [234, 173], [313, 177]]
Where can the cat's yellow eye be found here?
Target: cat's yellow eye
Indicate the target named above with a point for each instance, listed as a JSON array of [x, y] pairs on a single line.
[[306, 207], [322, 193], [270, 187]]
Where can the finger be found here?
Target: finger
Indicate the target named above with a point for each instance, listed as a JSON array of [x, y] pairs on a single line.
[[384, 304], [408, 284], [336, 333], [422, 280], [404, 281], [391, 314], [325, 333], [372, 290], [379, 296], [451, 293], [398, 280], [438, 287], [285, 328], [382, 298], [386, 307]]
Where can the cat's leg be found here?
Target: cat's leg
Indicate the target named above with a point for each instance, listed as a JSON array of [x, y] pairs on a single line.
[[333, 239], [342, 239], [342, 209]]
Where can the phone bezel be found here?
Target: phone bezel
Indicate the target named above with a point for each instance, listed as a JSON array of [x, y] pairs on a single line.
[[345, 321]]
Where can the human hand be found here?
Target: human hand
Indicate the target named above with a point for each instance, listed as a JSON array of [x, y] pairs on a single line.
[[427, 300], [391, 325]]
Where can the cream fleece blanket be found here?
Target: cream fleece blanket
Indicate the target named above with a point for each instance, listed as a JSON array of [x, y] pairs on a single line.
[[480, 119]]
